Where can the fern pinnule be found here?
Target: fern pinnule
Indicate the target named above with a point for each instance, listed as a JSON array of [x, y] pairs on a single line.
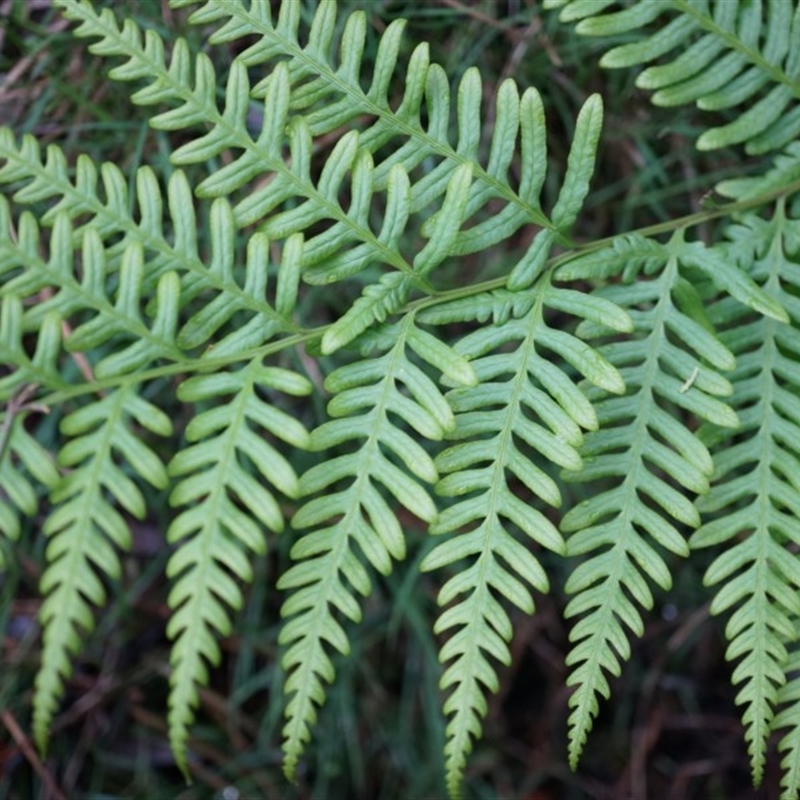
[[226, 477], [24, 466], [86, 527], [650, 457], [22, 458], [73, 298], [258, 320], [740, 55], [347, 512], [40, 370], [174, 270], [752, 506], [124, 321], [78, 201], [525, 409]]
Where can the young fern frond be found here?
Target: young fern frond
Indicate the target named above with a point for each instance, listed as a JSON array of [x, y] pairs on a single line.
[[719, 55], [349, 515], [224, 476], [753, 506], [523, 410], [87, 527]]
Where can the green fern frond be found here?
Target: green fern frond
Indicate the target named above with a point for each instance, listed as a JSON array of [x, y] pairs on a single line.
[[224, 478], [122, 320], [524, 411], [349, 514], [304, 77], [325, 161], [720, 55], [329, 96], [174, 272], [78, 198], [86, 526], [753, 503], [647, 457]]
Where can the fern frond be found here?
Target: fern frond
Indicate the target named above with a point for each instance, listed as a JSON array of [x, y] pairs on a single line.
[[646, 454], [305, 96], [349, 515], [225, 477], [754, 498], [79, 199], [330, 96], [524, 413], [148, 262], [720, 55], [86, 527]]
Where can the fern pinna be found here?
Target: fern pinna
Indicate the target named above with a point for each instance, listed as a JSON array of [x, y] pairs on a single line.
[[619, 403]]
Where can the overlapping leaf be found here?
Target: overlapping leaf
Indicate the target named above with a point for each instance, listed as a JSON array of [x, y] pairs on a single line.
[[225, 487]]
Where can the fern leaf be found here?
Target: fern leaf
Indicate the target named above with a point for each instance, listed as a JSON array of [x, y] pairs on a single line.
[[86, 527], [753, 498], [650, 458], [224, 478], [79, 200], [168, 264], [305, 96], [348, 513], [728, 54], [524, 411], [330, 96]]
